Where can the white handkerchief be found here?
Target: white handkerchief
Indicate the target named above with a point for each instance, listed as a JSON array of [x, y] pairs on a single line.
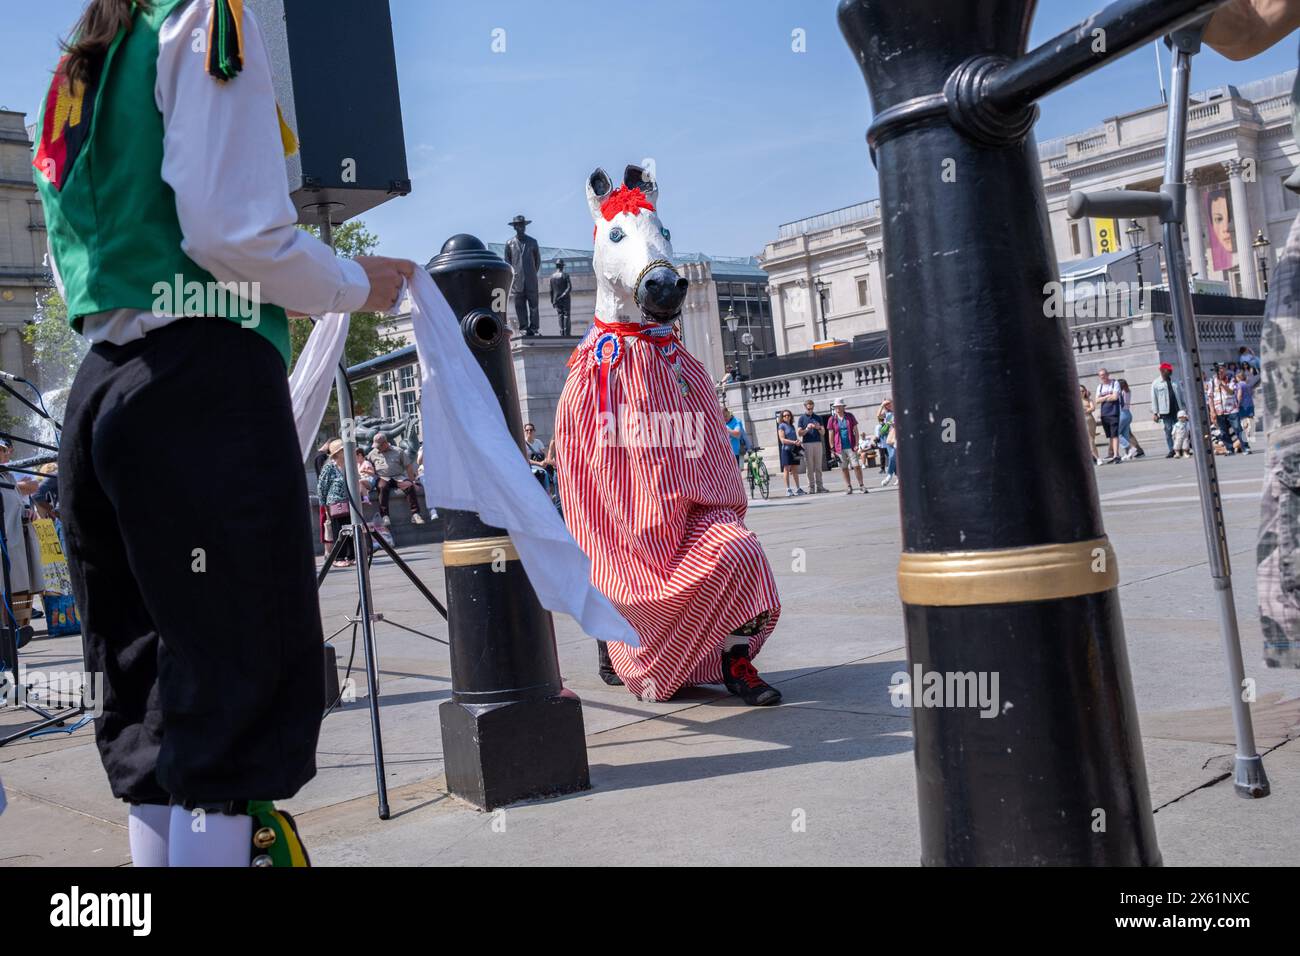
[[489, 474], [313, 376]]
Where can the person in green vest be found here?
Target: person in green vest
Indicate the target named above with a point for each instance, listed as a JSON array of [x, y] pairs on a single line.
[[1239, 30], [160, 166]]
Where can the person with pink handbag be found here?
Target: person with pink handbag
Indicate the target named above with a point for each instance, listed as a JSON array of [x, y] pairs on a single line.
[[332, 490]]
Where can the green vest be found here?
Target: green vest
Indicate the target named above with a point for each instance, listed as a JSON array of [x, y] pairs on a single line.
[[112, 225]]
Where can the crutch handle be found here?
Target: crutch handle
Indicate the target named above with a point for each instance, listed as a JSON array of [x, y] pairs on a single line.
[[1119, 203]]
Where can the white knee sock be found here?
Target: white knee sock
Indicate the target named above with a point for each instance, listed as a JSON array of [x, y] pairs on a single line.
[[737, 640], [147, 826], [209, 839]]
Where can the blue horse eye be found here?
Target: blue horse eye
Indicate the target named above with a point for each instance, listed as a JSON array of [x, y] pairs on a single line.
[[667, 234], [616, 234]]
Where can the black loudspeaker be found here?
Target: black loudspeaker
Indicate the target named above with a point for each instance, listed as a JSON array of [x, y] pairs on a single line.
[[336, 83]]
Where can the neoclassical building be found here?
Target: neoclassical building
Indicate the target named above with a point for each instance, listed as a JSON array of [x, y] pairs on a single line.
[[825, 272], [828, 293], [23, 274]]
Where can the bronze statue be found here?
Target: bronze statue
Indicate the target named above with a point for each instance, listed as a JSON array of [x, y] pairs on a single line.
[[561, 287], [525, 259]]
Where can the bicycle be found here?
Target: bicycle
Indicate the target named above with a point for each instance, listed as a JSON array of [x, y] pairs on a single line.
[[756, 474]]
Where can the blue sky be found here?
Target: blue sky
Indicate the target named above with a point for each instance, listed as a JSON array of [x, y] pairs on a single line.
[[745, 133]]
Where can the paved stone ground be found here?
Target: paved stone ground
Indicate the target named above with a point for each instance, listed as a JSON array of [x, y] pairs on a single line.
[[703, 780]]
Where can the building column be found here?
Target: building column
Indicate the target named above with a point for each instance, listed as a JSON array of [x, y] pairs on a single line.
[[11, 350], [779, 336], [1241, 229], [1085, 240], [11, 361], [875, 277], [1195, 233]]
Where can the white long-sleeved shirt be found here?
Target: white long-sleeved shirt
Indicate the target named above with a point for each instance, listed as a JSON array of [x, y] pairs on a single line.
[[223, 157]]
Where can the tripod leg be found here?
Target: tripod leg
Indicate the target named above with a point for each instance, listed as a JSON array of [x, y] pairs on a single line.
[[405, 568], [52, 720], [366, 615], [330, 559]]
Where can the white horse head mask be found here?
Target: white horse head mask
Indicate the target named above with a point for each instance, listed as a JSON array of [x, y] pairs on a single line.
[[635, 277]]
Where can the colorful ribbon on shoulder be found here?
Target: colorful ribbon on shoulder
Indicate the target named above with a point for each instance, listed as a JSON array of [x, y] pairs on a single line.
[[607, 352]]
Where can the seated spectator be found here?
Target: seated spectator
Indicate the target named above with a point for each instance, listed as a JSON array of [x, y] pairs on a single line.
[[534, 447], [393, 469], [419, 480]]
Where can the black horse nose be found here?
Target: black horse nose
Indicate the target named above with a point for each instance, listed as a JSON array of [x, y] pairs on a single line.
[[662, 291]]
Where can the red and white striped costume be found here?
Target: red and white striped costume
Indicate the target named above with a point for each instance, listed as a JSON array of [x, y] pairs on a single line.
[[662, 523]]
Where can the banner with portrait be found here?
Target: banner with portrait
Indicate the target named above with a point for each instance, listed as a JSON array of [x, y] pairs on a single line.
[[1220, 228]]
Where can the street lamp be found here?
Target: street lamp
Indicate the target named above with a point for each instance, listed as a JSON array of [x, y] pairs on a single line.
[[733, 323], [821, 304], [747, 340], [1134, 233], [1260, 245]]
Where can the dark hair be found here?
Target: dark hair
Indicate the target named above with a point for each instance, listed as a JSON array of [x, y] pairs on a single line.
[[94, 33]]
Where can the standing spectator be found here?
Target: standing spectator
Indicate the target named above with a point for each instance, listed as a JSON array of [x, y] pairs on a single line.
[[1089, 422], [812, 433], [1245, 402], [1132, 446], [1108, 402], [843, 428], [1167, 400], [1225, 410], [323, 519], [1182, 436], [26, 574], [46, 498], [885, 435], [332, 490], [788, 438], [736, 433], [394, 470]]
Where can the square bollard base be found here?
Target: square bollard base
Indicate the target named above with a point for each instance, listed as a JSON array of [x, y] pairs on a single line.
[[498, 754]]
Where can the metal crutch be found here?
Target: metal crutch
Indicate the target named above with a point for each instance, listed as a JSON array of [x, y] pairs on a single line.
[[1169, 204]]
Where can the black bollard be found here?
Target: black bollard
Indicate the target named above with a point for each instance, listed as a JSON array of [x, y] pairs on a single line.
[[511, 731], [1006, 572]]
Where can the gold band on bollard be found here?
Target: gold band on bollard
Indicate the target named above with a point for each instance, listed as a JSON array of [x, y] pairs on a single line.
[[458, 554], [1010, 576]]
